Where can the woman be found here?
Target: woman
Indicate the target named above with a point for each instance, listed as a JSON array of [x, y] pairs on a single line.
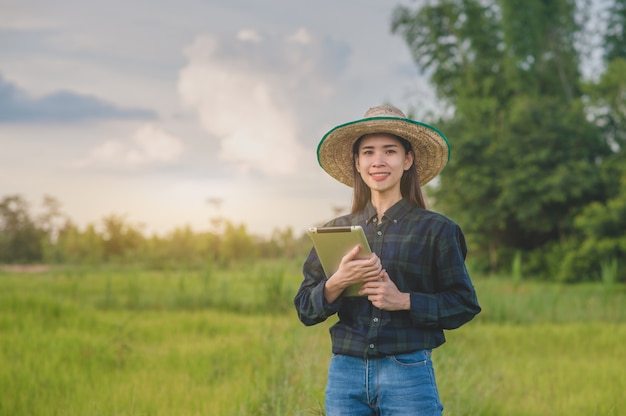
[[415, 284]]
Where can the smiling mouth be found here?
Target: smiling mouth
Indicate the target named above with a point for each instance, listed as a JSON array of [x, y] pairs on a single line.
[[379, 175]]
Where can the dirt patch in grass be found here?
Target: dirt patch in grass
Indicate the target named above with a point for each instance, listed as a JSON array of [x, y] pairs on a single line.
[[25, 268]]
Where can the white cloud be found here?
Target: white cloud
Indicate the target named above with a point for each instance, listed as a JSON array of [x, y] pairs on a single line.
[[244, 104], [148, 146], [248, 35], [302, 36]]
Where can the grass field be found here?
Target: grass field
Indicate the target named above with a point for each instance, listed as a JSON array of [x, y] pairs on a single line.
[[227, 342]]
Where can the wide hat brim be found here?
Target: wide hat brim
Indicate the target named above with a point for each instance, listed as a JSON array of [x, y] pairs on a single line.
[[431, 147]]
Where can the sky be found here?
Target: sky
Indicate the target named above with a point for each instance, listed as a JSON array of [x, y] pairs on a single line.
[[171, 114]]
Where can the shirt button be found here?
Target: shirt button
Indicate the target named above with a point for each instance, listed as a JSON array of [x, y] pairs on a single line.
[[371, 346], [375, 319], [379, 232]]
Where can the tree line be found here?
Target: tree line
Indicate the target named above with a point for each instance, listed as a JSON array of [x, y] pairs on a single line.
[[538, 167], [537, 177], [53, 238]]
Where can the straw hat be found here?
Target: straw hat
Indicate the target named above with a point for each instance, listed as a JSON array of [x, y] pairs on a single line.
[[432, 151]]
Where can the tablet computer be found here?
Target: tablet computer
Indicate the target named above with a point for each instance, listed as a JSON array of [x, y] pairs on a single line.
[[332, 243]]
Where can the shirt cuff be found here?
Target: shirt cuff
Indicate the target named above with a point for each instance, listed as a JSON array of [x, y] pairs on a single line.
[[321, 306], [424, 310]]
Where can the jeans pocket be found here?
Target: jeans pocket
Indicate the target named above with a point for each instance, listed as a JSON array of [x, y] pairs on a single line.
[[412, 359]]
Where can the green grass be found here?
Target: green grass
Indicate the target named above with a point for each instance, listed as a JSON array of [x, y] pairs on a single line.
[[537, 369], [228, 342]]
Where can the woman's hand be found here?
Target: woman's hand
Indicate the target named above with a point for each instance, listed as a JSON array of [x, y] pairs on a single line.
[[384, 294], [352, 271]]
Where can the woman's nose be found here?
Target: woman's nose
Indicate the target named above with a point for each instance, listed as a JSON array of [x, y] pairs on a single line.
[[379, 160]]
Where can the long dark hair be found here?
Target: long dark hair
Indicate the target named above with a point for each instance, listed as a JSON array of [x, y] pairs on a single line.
[[409, 184]]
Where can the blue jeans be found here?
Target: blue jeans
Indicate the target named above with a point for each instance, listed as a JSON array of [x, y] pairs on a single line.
[[399, 385]]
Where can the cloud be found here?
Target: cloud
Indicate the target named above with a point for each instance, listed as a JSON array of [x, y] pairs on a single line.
[[248, 35], [17, 106], [302, 36], [148, 146], [248, 92]]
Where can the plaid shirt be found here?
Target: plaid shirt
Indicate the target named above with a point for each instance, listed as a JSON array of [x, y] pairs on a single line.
[[424, 254]]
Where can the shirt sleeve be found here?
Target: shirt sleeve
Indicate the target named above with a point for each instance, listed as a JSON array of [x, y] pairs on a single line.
[[455, 302], [310, 302]]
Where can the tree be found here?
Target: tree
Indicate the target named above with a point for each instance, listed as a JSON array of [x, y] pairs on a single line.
[[615, 35], [52, 219], [74, 246], [20, 240], [236, 244], [601, 227], [524, 156], [120, 238]]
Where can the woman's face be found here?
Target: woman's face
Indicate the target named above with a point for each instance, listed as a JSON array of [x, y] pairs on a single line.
[[381, 160]]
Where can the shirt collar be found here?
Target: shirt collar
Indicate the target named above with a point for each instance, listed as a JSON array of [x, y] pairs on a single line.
[[393, 214]]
